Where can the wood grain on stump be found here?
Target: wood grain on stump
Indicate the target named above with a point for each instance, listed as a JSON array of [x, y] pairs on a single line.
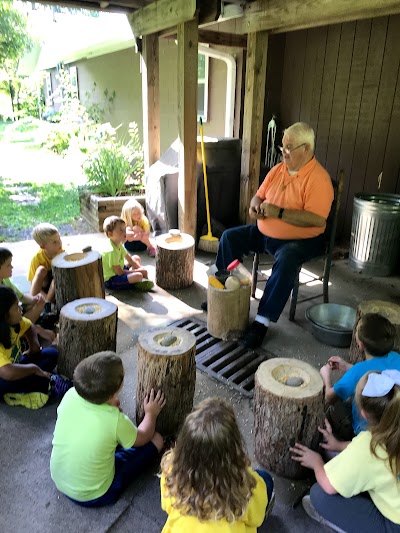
[[174, 260], [77, 275], [388, 310], [87, 326], [286, 410], [228, 312], [166, 361]]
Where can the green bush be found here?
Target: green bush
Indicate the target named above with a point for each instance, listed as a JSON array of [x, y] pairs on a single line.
[[58, 141], [108, 169]]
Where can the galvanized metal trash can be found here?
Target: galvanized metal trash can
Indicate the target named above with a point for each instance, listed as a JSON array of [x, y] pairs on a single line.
[[375, 234]]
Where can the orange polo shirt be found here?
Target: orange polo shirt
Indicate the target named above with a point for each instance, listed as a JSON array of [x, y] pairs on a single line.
[[310, 189]]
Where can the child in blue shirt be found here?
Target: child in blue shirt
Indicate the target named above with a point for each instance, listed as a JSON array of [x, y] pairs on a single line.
[[375, 337]]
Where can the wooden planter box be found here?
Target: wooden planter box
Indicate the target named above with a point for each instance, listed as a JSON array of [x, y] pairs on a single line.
[[95, 209]]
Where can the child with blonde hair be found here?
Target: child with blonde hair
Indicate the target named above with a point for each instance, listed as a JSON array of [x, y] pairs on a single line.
[[207, 483], [137, 228], [359, 489], [121, 271], [40, 275]]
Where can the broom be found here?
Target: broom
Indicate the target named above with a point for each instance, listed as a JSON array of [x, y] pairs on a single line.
[[207, 243]]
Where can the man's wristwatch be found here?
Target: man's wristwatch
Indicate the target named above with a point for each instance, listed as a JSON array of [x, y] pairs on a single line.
[[280, 214]]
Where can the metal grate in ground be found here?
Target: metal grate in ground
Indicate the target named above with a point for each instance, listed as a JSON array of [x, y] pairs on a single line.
[[225, 361]]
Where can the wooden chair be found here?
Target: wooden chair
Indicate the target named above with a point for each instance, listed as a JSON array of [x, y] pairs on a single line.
[[330, 233]]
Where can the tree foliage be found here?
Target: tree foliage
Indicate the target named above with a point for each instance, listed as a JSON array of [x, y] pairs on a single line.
[[14, 37]]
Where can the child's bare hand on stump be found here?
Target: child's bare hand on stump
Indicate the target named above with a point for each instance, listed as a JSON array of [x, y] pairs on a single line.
[[153, 403], [305, 456]]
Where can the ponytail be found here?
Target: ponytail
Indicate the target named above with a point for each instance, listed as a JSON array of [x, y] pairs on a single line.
[[383, 416]]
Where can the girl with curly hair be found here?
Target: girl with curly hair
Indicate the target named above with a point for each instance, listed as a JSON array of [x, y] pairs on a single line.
[[207, 483]]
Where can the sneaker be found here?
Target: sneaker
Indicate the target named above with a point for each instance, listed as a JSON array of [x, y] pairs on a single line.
[[204, 306], [270, 505], [254, 335], [143, 286], [151, 251], [60, 385], [313, 513], [30, 400]]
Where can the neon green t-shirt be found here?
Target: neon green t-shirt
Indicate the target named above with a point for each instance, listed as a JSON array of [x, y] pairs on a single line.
[[8, 283], [111, 257], [84, 442]]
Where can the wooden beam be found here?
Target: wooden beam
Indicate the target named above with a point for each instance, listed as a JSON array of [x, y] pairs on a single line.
[[187, 125], [222, 38], [256, 67], [150, 100], [162, 14], [289, 15]]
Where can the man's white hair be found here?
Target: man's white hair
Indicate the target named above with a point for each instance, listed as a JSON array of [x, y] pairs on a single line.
[[303, 133]]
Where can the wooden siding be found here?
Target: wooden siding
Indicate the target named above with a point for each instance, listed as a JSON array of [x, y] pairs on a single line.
[[344, 80]]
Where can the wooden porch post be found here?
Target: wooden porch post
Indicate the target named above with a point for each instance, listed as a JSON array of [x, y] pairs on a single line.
[[256, 68], [188, 34], [150, 99]]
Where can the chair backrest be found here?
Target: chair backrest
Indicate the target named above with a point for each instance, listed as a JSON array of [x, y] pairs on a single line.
[[331, 221]]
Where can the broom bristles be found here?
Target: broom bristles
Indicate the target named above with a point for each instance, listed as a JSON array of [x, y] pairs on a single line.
[[208, 244]]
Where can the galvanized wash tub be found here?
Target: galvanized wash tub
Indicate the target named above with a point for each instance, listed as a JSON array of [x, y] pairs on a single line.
[[375, 234]]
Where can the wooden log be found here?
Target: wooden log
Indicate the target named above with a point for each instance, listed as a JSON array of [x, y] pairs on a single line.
[[388, 310], [87, 326], [171, 368], [77, 275], [285, 414], [228, 312], [174, 260]]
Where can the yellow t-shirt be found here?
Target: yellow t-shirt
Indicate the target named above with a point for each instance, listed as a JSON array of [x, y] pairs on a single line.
[[13, 354], [356, 470], [310, 189], [143, 223], [39, 259], [251, 520]]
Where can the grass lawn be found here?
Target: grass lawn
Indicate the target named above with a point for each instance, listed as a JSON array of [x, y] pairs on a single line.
[[26, 204], [36, 185]]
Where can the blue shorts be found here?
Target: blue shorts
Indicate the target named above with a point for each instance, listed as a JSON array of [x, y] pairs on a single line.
[[118, 282]]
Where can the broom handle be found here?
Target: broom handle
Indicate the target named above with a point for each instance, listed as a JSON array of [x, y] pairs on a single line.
[[203, 157]]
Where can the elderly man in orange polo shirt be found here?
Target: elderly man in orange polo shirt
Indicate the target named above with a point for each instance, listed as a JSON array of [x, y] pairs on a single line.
[[291, 207]]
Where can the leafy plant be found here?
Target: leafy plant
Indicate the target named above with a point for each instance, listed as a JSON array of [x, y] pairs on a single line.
[[98, 109], [108, 169], [114, 167]]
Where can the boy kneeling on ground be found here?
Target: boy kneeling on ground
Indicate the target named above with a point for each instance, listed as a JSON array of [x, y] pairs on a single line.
[[97, 451]]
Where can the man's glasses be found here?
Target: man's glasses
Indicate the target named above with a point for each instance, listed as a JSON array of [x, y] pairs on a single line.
[[288, 151]]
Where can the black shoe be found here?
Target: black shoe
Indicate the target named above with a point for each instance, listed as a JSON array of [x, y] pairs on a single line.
[[47, 320], [204, 306], [254, 335]]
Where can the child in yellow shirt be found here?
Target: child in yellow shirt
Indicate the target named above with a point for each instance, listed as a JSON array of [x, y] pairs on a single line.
[[137, 228], [207, 484], [40, 275]]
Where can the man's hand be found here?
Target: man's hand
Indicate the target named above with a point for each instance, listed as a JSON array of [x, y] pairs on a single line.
[[306, 457], [270, 210], [255, 213], [153, 403], [337, 363]]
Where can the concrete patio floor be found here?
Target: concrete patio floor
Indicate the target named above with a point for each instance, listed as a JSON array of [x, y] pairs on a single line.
[[29, 500]]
